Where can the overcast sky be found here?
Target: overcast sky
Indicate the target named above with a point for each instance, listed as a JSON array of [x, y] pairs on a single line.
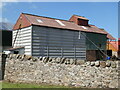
[[102, 14]]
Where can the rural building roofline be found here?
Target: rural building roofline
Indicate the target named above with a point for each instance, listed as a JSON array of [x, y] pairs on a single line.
[[47, 17], [31, 19]]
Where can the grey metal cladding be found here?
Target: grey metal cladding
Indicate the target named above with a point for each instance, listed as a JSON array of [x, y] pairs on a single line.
[[55, 42]]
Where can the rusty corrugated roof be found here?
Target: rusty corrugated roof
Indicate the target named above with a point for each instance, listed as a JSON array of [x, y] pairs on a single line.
[[29, 19], [109, 36], [15, 48], [50, 22]]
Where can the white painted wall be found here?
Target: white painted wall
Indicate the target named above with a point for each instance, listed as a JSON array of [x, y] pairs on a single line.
[[115, 53], [24, 39]]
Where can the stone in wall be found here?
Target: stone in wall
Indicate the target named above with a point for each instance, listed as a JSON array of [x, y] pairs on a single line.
[[61, 71]]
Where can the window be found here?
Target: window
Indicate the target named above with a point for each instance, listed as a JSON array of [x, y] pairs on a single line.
[[84, 27], [40, 21], [16, 52], [58, 21]]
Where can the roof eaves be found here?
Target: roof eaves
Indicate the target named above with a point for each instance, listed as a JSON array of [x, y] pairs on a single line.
[[17, 21], [69, 29], [15, 48]]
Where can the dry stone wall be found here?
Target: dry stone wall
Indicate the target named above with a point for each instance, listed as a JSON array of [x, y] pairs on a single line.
[[61, 71]]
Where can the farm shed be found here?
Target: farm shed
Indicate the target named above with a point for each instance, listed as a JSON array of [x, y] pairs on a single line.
[[51, 37], [5, 35]]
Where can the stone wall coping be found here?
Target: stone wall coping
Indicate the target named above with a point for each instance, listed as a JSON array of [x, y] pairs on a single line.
[[66, 61]]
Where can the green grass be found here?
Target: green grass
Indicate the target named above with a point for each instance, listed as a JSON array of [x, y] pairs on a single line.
[[21, 85]]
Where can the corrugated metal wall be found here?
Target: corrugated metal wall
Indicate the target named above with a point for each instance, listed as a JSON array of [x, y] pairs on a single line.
[[93, 53], [99, 39], [57, 43], [23, 39]]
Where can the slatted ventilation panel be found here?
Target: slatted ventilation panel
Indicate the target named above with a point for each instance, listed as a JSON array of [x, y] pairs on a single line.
[[23, 39], [58, 43]]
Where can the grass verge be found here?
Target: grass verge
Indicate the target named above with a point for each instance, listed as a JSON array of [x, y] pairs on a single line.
[[21, 85]]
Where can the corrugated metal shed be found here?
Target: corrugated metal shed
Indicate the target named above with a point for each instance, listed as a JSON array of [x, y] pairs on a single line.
[[51, 37]]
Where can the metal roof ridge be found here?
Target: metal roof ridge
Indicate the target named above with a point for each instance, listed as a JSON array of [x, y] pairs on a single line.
[[48, 17]]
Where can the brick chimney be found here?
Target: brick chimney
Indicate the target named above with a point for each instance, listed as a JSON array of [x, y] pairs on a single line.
[[79, 20]]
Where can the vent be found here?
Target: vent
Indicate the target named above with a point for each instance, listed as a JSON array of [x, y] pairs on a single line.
[[58, 21], [40, 21], [84, 27]]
